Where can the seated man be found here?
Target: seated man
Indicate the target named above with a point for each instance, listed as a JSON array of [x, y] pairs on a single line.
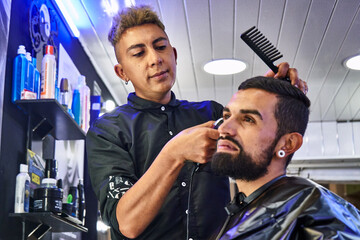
[[263, 126]]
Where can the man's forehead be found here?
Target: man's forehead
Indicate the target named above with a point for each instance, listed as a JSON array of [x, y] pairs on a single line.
[[252, 98], [137, 32]]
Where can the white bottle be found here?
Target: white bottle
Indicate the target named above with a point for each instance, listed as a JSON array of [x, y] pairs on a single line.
[[84, 103], [22, 190], [48, 73]]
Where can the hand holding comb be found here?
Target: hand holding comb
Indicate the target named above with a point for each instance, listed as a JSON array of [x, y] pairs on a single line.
[[262, 47]]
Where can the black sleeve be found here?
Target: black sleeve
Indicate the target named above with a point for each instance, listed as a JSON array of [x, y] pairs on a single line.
[[111, 167]]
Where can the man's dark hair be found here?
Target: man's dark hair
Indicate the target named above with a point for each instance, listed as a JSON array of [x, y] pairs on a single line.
[[292, 108]]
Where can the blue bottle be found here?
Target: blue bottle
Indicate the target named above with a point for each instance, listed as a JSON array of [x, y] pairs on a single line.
[[19, 73], [29, 84], [75, 106]]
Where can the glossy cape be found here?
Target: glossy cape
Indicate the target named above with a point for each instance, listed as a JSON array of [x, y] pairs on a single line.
[[294, 208]]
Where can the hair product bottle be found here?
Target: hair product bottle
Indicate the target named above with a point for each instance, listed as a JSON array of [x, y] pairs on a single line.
[[81, 201], [19, 73], [64, 93], [28, 91], [22, 190], [76, 107], [48, 73], [84, 103], [73, 191]]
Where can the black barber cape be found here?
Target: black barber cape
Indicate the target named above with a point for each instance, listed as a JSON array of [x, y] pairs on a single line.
[[291, 208], [122, 145]]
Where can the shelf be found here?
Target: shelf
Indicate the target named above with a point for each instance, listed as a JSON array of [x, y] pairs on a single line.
[[55, 222], [49, 117]]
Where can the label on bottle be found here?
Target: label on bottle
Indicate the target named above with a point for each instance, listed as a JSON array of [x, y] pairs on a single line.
[[27, 196], [44, 79], [38, 204]]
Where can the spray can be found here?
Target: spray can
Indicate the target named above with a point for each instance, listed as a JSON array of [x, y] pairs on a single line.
[[22, 190], [48, 73]]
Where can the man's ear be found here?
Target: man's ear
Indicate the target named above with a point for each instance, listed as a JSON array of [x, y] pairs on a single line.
[[175, 53], [289, 143], [119, 70]]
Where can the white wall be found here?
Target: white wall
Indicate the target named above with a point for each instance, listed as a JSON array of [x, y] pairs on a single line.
[[330, 152], [70, 157]]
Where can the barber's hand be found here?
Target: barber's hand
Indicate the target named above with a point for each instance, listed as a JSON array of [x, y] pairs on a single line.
[[292, 73], [196, 144]]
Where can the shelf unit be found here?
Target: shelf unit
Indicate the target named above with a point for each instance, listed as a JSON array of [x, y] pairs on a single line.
[[48, 117]]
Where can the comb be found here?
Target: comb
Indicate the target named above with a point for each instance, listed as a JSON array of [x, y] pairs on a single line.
[[262, 47]]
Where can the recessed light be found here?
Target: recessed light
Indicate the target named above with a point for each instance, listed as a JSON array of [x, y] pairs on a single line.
[[224, 66], [353, 62], [109, 105]]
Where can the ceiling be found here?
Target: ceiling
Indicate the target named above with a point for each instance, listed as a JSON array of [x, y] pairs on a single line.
[[315, 36]]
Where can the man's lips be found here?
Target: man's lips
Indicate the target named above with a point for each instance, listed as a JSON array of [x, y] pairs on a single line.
[[226, 145], [159, 74]]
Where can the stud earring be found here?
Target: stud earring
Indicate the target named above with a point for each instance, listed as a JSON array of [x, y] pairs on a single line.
[[281, 153]]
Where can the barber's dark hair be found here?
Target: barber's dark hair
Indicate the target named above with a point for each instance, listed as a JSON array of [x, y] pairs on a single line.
[[292, 108]]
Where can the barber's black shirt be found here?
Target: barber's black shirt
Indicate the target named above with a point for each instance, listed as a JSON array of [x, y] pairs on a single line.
[[122, 145]]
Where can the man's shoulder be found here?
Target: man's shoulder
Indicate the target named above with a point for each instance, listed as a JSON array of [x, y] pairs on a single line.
[[110, 122], [291, 185], [299, 181]]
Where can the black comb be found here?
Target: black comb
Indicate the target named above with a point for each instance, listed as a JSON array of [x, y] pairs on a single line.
[[262, 47]]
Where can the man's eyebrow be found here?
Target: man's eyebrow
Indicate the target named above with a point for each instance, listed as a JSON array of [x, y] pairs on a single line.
[[251, 111], [140, 45], [159, 39]]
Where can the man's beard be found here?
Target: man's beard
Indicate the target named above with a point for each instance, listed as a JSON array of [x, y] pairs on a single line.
[[242, 166]]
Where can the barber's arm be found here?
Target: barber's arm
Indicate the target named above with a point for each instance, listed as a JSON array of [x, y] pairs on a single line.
[[292, 73], [133, 213]]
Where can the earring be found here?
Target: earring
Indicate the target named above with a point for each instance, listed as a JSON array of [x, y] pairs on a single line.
[[281, 153], [126, 82]]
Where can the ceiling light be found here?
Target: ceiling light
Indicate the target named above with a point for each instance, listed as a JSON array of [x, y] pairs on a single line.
[[129, 3], [224, 66], [109, 105], [63, 6], [111, 7], [353, 62], [101, 226]]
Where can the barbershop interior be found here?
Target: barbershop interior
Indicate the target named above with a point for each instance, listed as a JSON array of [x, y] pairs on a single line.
[[58, 76]]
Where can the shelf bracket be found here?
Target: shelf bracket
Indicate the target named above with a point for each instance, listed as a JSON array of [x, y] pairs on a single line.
[[39, 232]]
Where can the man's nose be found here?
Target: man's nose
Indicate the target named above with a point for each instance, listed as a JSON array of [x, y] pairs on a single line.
[[154, 58], [227, 127]]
